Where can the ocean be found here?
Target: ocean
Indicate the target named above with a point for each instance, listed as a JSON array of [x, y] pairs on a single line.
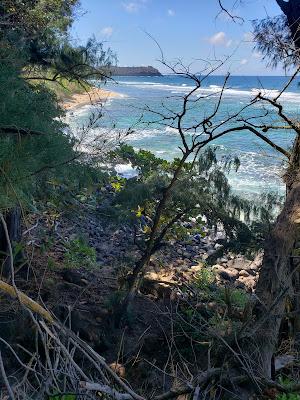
[[261, 167]]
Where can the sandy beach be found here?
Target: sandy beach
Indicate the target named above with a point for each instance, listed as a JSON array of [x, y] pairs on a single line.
[[94, 96]]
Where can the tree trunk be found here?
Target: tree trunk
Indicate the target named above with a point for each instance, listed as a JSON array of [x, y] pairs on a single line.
[[291, 9], [278, 277], [13, 222]]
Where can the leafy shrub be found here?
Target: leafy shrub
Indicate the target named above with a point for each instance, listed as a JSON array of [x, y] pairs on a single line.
[[288, 396], [63, 397], [205, 278], [287, 382], [80, 254], [237, 297]]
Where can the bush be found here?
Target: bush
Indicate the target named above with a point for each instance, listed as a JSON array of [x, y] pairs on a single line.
[[80, 254]]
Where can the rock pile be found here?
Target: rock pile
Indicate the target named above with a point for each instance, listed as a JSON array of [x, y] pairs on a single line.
[[238, 270]]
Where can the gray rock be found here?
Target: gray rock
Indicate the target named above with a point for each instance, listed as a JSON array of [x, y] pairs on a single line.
[[190, 248], [209, 247], [218, 246], [211, 252]]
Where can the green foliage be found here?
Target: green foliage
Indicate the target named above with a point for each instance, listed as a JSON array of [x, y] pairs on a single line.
[[37, 16], [145, 161], [51, 263], [115, 299], [236, 297], [36, 151], [22, 155], [208, 308], [69, 396], [63, 88], [273, 39], [287, 383], [204, 279], [288, 396], [40, 31], [80, 254], [202, 189]]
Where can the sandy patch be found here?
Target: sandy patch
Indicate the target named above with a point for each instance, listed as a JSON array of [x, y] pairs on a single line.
[[94, 96]]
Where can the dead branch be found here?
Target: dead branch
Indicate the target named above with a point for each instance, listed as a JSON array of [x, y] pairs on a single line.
[[105, 389], [234, 18], [6, 382], [26, 301]]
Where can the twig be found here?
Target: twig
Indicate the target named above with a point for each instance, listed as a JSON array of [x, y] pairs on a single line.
[[106, 389], [3, 373]]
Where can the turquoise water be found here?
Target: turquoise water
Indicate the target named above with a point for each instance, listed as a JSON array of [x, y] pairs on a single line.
[[261, 167]]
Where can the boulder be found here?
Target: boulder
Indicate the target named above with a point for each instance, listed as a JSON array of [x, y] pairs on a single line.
[[197, 268], [190, 248], [256, 263], [74, 277], [218, 246], [228, 274], [244, 273], [249, 281], [239, 263], [211, 252]]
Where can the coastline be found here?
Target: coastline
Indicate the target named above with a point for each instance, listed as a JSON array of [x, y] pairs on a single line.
[[91, 97]]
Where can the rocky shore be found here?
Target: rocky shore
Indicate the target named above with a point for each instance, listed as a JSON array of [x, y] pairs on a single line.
[[86, 297], [115, 249]]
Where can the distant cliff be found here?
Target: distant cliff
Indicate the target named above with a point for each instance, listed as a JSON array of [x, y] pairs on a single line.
[[135, 71]]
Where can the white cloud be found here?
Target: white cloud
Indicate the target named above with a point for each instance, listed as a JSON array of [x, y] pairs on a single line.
[[171, 12], [134, 6], [229, 43], [131, 7], [244, 61], [256, 54], [248, 37], [218, 39], [107, 31]]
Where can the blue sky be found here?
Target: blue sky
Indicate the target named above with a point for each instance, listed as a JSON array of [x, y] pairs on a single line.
[[185, 29]]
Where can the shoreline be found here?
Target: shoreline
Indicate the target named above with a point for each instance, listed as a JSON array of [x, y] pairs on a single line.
[[91, 97]]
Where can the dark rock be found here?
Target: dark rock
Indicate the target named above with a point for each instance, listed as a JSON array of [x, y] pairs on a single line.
[[190, 248], [225, 275], [74, 277], [197, 238], [211, 252], [228, 274]]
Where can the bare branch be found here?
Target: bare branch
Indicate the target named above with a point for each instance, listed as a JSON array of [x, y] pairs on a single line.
[[235, 18], [6, 382]]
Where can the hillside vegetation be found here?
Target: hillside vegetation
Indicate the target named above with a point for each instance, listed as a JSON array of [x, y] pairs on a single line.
[[160, 286]]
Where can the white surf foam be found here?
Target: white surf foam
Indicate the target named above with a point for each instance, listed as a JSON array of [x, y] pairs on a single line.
[[214, 89]]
